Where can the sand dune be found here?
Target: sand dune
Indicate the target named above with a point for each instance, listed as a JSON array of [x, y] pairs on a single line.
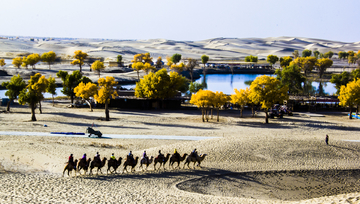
[[217, 48]]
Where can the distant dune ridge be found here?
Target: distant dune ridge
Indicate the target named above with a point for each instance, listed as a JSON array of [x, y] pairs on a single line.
[[216, 48]]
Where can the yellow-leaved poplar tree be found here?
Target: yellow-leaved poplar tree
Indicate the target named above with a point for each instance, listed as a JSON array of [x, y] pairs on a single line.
[[48, 57], [80, 57], [350, 95], [305, 63], [98, 66], [218, 101], [2, 62], [322, 64], [178, 67], [32, 59], [241, 97], [17, 62], [137, 66], [267, 91], [148, 68], [106, 92], [203, 100], [86, 92]]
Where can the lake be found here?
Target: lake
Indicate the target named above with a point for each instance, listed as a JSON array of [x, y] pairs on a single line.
[[221, 82], [228, 82]]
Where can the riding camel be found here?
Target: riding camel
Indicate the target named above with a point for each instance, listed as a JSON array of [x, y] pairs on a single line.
[[84, 165], [146, 163], [98, 164], [69, 167], [114, 164], [128, 162], [192, 158], [176, 158], [162, 161]]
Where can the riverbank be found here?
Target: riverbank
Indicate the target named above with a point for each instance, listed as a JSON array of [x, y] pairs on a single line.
[[294, 144]]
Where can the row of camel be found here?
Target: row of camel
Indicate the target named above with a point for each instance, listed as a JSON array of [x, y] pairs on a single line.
[[112, 164]]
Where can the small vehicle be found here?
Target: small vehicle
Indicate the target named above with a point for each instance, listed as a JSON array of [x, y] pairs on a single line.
[[275, 112], [93, 132], [285, 110]]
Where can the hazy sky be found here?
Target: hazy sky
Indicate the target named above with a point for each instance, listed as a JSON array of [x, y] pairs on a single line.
[[181, 20]]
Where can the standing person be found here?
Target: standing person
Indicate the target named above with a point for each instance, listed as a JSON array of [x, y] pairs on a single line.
[[327, 140]]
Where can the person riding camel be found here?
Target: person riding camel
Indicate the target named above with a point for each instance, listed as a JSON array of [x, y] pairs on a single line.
[[177, 155], [161, 156], [112, 156], [194, 154], [97, 157], [145, 157], [71, 160], [83, 159], [131, 157]]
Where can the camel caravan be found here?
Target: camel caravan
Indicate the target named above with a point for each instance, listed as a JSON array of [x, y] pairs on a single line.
[[83, 165]]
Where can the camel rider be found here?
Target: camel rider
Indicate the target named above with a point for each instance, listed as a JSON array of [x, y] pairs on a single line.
[[161, 156], [97, 156], [145, 157], [84, 157], [71, 159], [176, 154], [194, 153], [131, 156], [112, 157]]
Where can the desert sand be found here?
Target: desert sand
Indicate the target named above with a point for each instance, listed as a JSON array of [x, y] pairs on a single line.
[[285, 161]]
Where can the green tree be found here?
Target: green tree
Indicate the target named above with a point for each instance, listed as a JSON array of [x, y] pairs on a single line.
[[328, 54], [204, 60], [322, 65], [251, 58], [106, 92], [160, 85], [86, 91], [14, 87], [33, 93], [285, 61], [296, 54], [48, 57], [79, 58], [306, 53], [340, 80], [350, 95], [70, 81], [176, 58], [267, 91], [51, 87], [355, 74], [17, 62], [316, 54], [190, 66], [272, 59], [195, 87], [97, 66], [119, 60], [342, 55], [291, 77]]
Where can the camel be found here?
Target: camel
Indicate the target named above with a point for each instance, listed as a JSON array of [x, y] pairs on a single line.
[[176, 158], [69, 167], [191, 158], [114, 164], [149, 161], [84, 165], [130, 163], [98, 164], [162, 162]]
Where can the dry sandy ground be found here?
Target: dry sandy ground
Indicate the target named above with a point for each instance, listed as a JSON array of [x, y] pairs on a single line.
[[285, 161]]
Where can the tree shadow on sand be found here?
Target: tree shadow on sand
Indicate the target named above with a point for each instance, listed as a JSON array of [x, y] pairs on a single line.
[[99, 126]]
